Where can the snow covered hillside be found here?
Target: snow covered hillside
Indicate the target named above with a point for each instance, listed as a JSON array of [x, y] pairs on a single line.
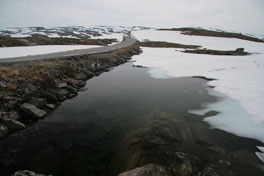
[[78, 32]]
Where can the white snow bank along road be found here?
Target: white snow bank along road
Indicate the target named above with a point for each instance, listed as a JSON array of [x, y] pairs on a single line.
[[239, 78], [9, 52], [117, 36]]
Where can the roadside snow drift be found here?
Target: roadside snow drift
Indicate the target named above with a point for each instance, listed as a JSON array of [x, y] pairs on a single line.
[[9, 52]]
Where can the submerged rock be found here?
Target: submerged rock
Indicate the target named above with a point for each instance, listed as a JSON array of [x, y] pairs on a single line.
[[32, 110], [26, 173], [147, 170]]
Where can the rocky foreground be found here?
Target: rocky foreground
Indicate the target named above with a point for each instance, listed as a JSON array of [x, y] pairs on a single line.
[[30, 90], [170, 145]]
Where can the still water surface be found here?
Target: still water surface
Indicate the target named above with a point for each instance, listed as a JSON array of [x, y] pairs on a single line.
[[81, 136]]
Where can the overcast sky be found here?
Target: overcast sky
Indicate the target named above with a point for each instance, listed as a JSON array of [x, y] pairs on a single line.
[[238, 15]]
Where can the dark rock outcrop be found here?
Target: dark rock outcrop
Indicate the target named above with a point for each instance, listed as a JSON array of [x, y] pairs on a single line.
[[237, 52], [30, 91], [26, 173], [33, 111], [206, 32], [12, 124], [147, 170], [158, 44]]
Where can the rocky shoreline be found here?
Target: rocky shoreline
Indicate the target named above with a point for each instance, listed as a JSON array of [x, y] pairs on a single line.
[[31, 90]]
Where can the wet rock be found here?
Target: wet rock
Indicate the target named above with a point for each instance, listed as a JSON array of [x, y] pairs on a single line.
[[87, 73], [83, 89], [38, 102], [32, 110], [112, 60], [3, 130], [61, 85], [12, 124], [26, 173], [14, 115], [62, 94], [71, 96], [51, 106], [147, 170], [11, 104], [72, 89], [50, 96], [30, 91], [81, 76], [95, 67], [77, 83]]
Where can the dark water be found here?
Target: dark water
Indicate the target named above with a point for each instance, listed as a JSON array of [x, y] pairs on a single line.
[[82, 135]]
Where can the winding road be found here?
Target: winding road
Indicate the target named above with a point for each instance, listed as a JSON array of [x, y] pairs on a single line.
[[125, 43]]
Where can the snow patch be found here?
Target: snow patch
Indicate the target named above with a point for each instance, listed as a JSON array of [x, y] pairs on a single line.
[[239, 78], [9, 52]]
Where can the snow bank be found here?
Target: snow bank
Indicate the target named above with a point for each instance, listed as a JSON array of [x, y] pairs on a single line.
[[239, 78], [117, 36], [9, 52]]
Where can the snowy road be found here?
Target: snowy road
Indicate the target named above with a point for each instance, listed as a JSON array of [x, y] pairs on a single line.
[[125, 43]]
